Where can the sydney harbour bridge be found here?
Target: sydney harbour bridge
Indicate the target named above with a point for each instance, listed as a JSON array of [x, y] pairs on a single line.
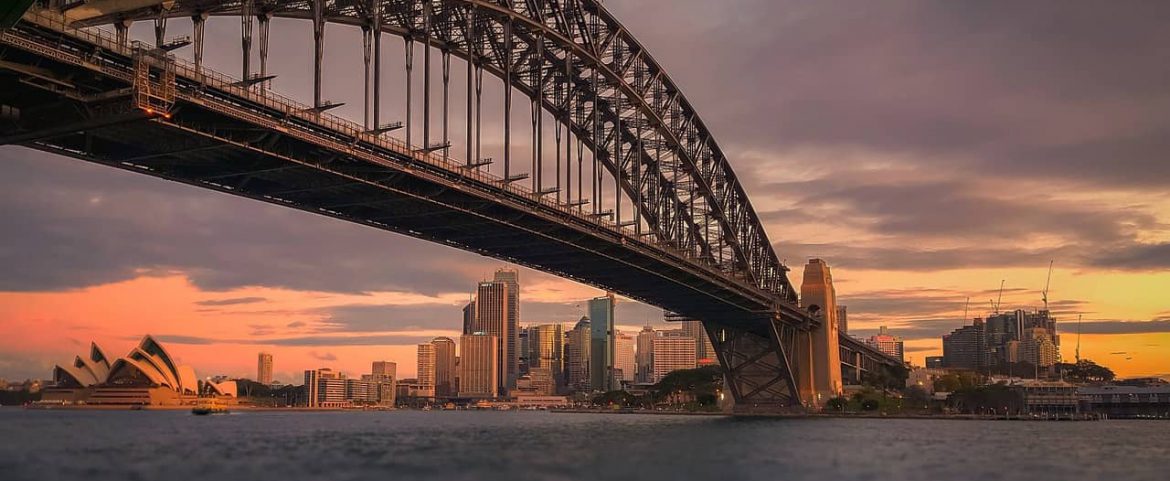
[[622, 186]]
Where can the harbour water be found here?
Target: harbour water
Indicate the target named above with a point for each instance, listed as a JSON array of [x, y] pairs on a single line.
[[517, 446]]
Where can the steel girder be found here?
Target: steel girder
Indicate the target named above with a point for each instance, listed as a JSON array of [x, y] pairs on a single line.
[[757, 364], [589, 73]]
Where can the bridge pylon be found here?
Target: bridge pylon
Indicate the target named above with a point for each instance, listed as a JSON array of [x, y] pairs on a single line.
[[819, 348]]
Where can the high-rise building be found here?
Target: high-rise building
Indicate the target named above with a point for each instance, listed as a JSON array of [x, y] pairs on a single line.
[[625, 367], [469, 317], [522, 351], [644, 355], [264, 368], [384, 370], [311, 394], [887, 343], [491, 318], [546, 351], [426, 367], [511, 277], [577, 352], [703, 348], [671, 351], [325, 388], [479, 369], [843, 319], [444, 366], [601, 356], [963, 348]]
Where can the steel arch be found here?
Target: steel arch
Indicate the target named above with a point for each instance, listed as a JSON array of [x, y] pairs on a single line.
[[604, 86]]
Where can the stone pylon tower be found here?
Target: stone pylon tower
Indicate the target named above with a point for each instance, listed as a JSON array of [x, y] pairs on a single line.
[[820, 375]]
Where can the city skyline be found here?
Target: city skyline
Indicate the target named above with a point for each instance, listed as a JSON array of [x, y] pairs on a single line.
[[906, 264]]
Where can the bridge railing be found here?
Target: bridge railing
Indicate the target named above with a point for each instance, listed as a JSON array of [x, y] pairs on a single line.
[[451, 166]]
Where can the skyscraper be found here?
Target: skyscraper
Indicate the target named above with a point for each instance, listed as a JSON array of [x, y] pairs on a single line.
[[887, 343], [384, 370], [426, 369], [264, 368], [469, 317], [511, 277], [671, 351], [522, 351], [703, 348], [491, 318], [444, 366], [601, 318], [644, 356], [546, 351], [963, 348], [577, 354], [479, 365], [624, 365]]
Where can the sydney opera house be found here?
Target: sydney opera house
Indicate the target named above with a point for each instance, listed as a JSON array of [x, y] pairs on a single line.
[[147, 376]]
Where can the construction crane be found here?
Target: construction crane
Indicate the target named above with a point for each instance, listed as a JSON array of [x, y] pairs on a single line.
[[1047, 283], [995, 304], [1078, 351]]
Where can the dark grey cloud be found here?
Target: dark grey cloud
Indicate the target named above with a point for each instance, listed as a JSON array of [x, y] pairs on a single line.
[[915, 329], [375, 318], [1137, 256], [328, 356], [71, 224], [1117, 327], [304, 341], [231, 301], [1051, 89]]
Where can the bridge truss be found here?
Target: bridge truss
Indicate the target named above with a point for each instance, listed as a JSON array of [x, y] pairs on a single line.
[[675, 229]]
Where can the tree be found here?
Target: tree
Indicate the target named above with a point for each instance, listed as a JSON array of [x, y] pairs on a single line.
[[1085, 371]]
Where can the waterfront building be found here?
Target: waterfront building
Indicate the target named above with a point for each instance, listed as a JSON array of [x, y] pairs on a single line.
[[963, 348], [577, 352], [644, 354], [444, 350], [264, 368], [601, 344], [1048, 397], [1150, 400], [492, 318], [887, 343], [511, 277], [426, 367], [479, 365], [546, 351], [624, 364], [384, 370], [148, 375], [671, 351]]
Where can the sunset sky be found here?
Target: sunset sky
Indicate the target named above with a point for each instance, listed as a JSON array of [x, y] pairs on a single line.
[[926, 150]]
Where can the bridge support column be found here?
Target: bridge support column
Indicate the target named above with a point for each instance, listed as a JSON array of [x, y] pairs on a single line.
[[757, 369], [822, 347]]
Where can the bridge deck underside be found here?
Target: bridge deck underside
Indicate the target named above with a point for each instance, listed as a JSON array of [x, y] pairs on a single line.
[[203, 147]]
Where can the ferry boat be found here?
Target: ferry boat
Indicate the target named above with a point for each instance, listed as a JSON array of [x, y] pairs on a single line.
[[205, 406]]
